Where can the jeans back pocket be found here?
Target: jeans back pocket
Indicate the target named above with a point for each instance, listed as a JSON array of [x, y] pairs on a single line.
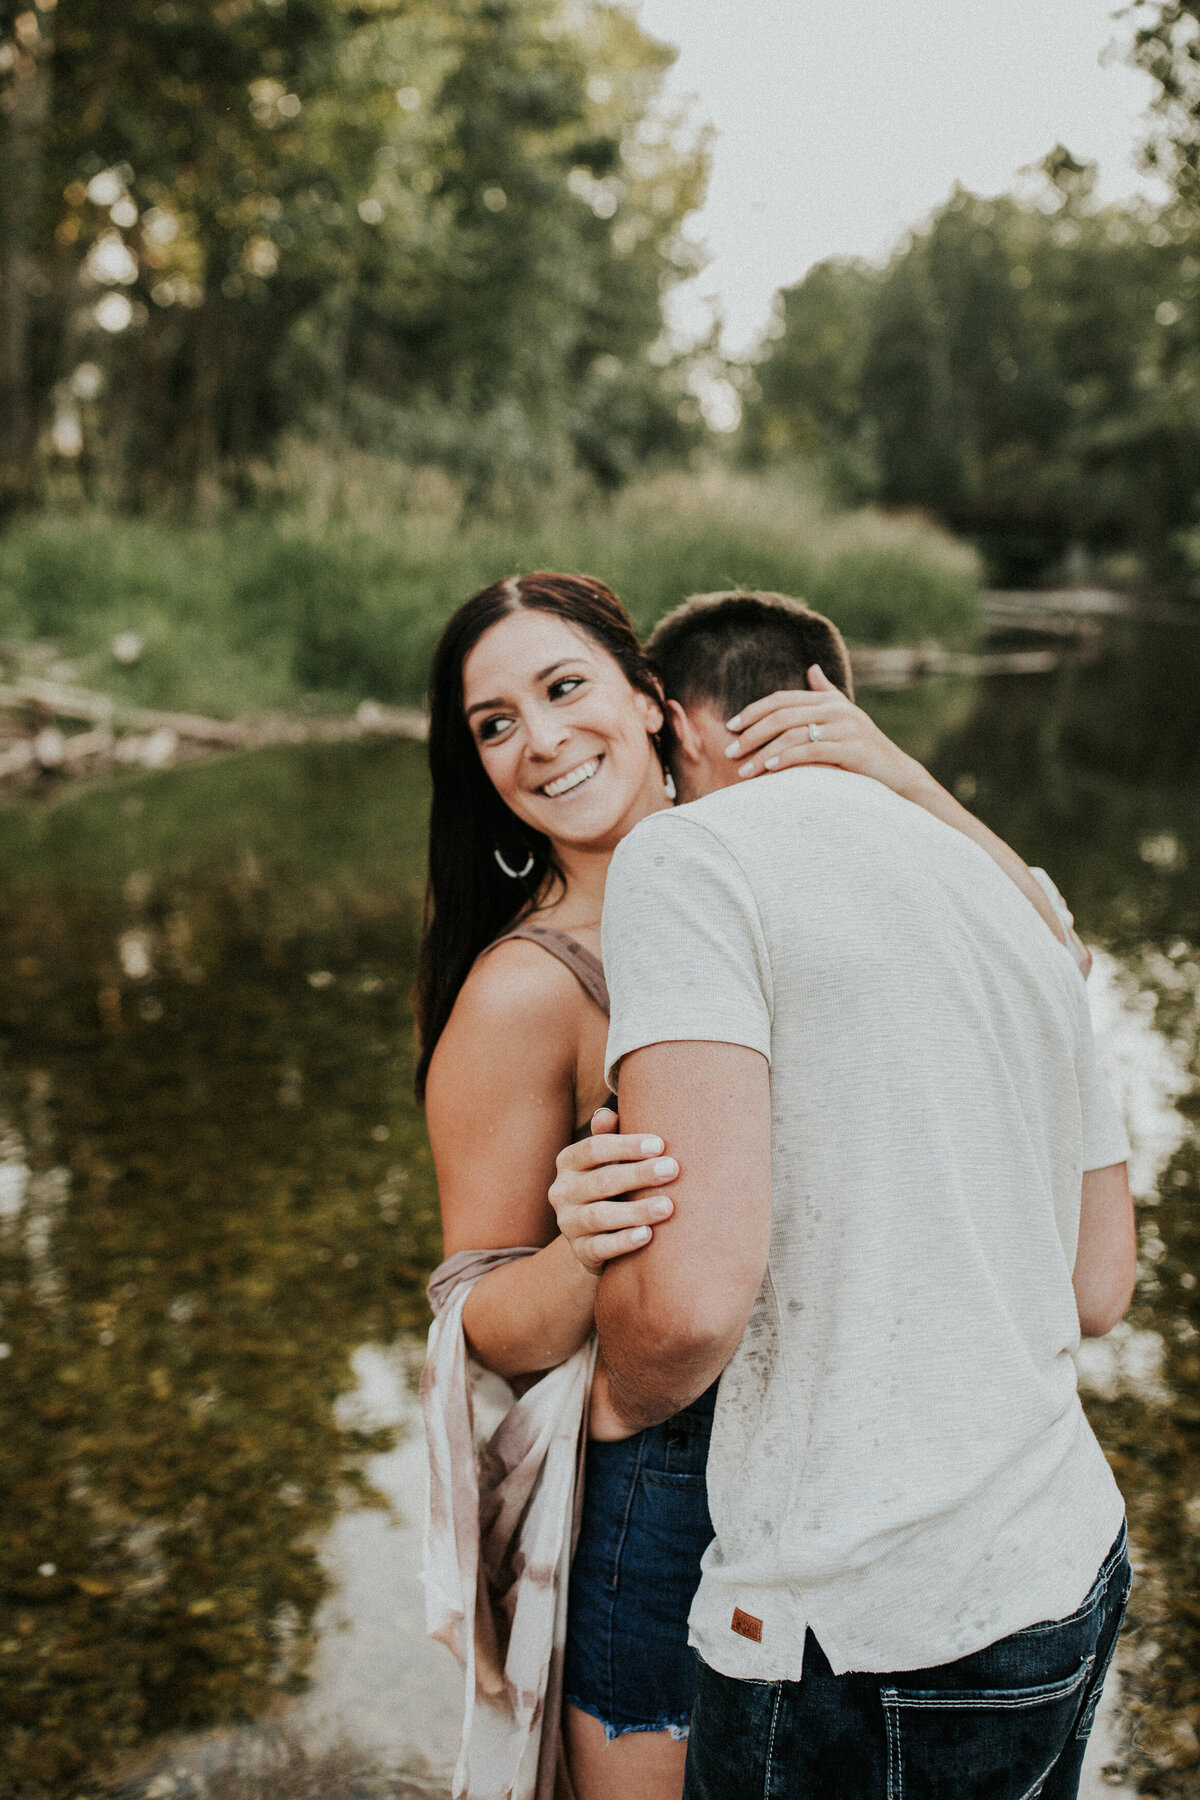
[[948, 1743]]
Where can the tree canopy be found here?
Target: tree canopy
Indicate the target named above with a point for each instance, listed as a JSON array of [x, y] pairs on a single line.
[[1025, 367], [440, 229]]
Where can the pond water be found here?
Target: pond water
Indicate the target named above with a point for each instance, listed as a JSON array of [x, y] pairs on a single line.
[[217, 1215]]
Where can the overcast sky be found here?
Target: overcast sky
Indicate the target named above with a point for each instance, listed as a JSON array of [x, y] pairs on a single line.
[[840, 125]]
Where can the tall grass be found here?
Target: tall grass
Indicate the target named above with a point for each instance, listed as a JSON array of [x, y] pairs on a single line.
[[337, 602]]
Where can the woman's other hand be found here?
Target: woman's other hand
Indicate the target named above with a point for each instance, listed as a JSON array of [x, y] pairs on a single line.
[[773, 734], [593, 1174]]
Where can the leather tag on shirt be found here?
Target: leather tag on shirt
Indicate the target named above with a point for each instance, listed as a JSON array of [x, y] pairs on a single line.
[[746, 1625]]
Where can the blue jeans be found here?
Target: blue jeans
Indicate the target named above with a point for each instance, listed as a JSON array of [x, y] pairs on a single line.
[[1008, 1723]]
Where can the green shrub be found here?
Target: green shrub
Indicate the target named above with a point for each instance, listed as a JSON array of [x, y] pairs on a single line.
[[275, 606]]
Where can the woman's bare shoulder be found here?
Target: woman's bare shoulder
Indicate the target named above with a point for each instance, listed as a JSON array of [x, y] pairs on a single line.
[[519, 985], [500, 1096], [516, 1022]]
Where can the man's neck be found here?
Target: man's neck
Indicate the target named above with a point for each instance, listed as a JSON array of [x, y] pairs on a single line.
[[705, 768]]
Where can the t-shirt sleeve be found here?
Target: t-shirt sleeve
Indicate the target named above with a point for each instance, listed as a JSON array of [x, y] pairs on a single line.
[[684, 951], [1104, 1137]]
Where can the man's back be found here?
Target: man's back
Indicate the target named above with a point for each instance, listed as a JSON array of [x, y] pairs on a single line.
[[899, 1459]]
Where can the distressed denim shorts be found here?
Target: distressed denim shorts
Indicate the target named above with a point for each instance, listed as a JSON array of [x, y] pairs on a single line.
[[636, 1569]]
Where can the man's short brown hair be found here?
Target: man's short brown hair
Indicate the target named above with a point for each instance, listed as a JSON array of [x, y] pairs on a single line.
[[729, 649]]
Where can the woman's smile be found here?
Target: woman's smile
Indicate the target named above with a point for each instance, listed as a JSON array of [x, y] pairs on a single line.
[[572, 780]]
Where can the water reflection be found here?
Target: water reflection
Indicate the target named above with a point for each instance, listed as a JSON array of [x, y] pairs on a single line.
[[206, 1158], [217, 1214], [1147, 1066]]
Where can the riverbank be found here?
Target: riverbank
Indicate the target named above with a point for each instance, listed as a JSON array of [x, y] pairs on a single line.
[[305, 611], [53, 733]]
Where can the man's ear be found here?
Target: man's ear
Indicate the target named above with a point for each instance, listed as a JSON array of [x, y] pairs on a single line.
[[687, 738], [651, 710]]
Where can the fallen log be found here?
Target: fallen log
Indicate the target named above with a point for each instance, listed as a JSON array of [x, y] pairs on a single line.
[[899, 666], [49, 700]]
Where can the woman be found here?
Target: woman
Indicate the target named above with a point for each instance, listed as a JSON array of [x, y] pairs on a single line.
[[548, 736]]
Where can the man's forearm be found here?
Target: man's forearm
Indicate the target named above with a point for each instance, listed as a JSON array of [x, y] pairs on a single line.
[[670, 1316], [645, 1383]]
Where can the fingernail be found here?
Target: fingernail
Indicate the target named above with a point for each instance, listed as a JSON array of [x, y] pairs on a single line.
[[746, 769], [651, 1146], [641, 1233], [660, 1208], [732, 749], [666, 1165], [772, 762], [734, 724]]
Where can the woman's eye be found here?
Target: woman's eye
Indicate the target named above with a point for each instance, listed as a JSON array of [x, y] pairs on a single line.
[[565, 685], [493, 728]]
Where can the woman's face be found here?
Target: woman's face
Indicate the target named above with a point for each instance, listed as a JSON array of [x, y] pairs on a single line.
[[563, 737]]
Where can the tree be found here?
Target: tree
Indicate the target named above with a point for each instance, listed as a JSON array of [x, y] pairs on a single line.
[[807, 393], [442, 229], [1022, 368], [25, 50], [1166, 44]]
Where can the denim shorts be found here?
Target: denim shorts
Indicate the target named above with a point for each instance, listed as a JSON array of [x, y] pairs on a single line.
[[1009, 1722], [636, 1569]]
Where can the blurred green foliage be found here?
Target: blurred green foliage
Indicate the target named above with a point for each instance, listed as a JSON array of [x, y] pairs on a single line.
[[443, 230], [1026, 368], [273, 606]]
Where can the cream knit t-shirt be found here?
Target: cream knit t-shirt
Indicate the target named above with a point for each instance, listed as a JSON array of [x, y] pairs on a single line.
[[899, 1457]]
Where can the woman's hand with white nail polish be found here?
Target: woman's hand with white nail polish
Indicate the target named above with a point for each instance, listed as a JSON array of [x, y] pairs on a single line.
[[586, 1195], [774, 734]]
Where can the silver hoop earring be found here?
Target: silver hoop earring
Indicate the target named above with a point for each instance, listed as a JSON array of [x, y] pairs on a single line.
[[514, 874], [669, 786]]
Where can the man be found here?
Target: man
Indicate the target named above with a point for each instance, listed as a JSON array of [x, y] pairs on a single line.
[[874, 1065]]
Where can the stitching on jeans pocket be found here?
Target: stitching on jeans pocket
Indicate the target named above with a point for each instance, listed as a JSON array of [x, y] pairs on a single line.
[[771, 1740], [614, 1578], [983, 1701], [895, 1769], [1083, 1729], [991, 1699], [1031, 1793]]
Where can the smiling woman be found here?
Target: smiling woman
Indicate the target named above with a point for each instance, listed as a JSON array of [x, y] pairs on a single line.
[[546, 726], [547, 742], [546, 733]]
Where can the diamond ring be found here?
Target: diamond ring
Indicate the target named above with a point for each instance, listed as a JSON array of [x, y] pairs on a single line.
[[814, 734]]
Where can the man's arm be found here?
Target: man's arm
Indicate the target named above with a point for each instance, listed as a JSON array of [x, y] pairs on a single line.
[[1106, 1257], [671, 1316]]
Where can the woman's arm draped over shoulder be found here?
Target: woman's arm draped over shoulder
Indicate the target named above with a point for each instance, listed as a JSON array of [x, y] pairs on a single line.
[[500, 1104], [774, 733]]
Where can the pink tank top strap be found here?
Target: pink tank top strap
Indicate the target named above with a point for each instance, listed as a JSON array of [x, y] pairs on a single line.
[[586, 968]]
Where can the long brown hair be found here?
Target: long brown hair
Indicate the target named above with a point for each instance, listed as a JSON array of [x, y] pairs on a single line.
[[468, 900]]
